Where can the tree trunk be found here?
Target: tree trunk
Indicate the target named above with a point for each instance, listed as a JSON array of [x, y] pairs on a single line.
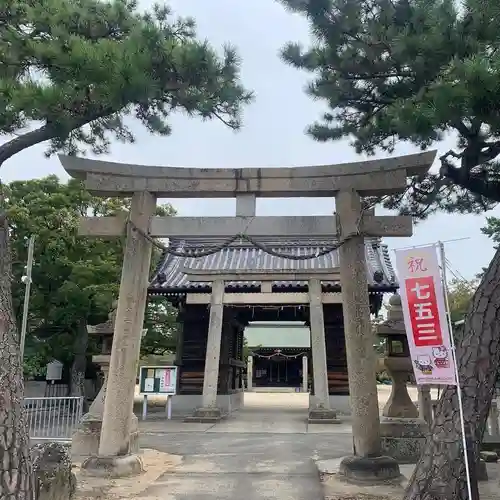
[[440, 473], [15, 464], [79, 366]]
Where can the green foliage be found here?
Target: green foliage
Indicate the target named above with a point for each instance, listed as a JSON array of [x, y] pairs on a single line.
[[492, 229], [65, 287], [460, 294], [72, 72], [411, 70], [75, 279], [35, 360], [161, 323]]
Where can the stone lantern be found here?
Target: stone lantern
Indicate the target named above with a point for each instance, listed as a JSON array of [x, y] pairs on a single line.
[[85, 440], [403, 432]]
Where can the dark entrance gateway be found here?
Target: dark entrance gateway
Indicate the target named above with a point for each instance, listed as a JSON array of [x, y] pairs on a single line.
[[278, 367]]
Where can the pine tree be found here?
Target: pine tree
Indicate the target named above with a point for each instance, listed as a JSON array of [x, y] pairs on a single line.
[[417, 70], [73, 73]]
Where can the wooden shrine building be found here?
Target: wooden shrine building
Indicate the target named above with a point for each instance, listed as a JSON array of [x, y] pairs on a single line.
[[247, 301]]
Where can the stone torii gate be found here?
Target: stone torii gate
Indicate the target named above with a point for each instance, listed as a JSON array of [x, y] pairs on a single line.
[[347, 182]]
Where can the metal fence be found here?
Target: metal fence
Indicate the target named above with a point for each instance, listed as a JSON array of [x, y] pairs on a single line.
[[53, 418]]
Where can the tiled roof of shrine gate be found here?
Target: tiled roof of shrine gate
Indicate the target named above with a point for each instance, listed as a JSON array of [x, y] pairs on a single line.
[[170, 278]]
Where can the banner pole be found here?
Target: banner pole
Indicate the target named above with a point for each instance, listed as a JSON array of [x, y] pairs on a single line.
[[453, 350]]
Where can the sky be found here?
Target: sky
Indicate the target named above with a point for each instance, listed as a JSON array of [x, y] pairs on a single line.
[[272, 134]]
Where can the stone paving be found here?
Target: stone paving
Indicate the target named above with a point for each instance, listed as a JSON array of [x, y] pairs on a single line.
[[265, 451]]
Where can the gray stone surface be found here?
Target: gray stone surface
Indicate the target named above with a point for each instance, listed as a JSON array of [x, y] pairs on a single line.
[[264, 451], [336, 488], [117, 417], [482, 471], [205, 415], [373, 177], [113, 467], [358, 328], [305, 374], [250, 373], [322, 416], [404, 450], [318, 349], [85, 440], [369, 470], [213, 348], [52, 469], [403, 438]]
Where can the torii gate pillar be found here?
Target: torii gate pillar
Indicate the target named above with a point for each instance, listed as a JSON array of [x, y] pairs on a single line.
[[366, 462], [115, 458]]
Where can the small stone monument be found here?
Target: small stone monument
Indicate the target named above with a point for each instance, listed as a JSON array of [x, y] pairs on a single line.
[[403, 432], [52, 472], [85, 441]]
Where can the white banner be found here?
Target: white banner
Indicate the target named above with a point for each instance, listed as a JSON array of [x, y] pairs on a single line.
[[424, 310]]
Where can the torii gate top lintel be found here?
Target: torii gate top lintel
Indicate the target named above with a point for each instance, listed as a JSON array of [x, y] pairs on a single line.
[[368, 178]]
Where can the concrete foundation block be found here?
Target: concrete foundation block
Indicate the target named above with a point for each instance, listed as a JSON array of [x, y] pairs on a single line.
[[404, 450], [206, 415], [186, 404], [85, 440], [370, 470], [321, 416], [341, 404], [403, 438], [113, 467], [481, 471]]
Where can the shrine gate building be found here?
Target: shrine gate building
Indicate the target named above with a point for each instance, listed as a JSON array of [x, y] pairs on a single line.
[[248, 301]]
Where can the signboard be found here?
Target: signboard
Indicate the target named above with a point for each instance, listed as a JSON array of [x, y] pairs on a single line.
[[54, 371], [424, 310], [158, 380]]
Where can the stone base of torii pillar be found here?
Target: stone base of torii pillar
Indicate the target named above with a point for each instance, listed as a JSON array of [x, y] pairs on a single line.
[[85, 440]]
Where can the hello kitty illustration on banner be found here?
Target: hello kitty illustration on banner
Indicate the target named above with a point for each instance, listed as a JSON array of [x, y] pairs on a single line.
[[424, 312]]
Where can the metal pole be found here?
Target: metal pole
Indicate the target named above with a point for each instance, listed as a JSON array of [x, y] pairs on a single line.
[[29, 267]]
